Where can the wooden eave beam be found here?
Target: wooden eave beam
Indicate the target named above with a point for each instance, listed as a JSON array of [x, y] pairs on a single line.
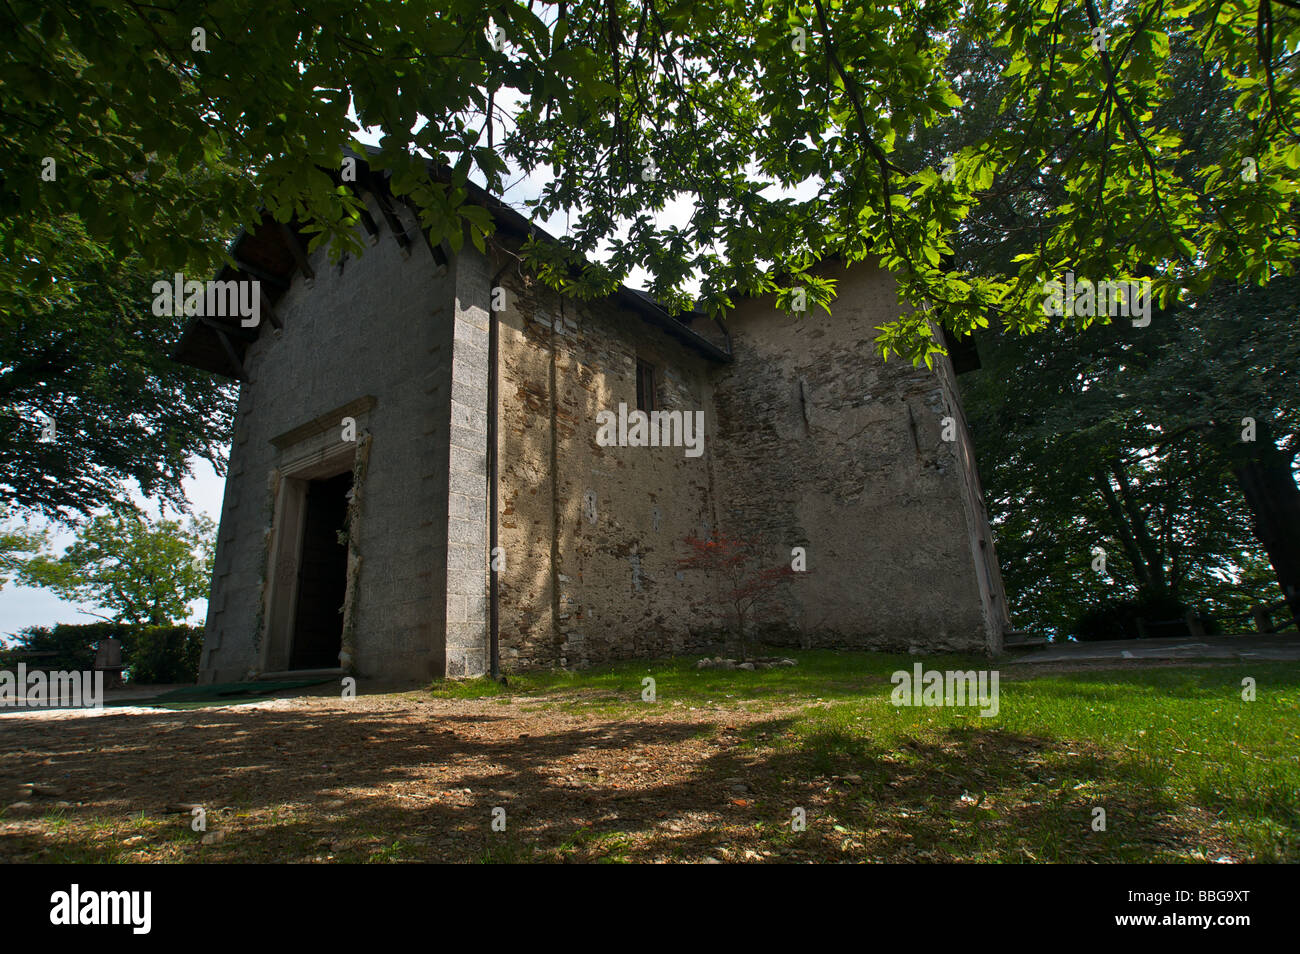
[[296, 250], [235, 363], [260, 274]]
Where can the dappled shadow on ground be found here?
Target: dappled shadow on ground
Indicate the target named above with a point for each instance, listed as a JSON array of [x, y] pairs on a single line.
[[402, 779]]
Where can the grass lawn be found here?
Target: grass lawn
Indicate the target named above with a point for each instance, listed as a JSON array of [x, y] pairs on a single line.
[[1162, 749], [715, 768]]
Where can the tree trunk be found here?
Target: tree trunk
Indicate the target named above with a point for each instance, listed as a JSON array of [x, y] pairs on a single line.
[[1149, 578], [1274, 501], [1151, 551]]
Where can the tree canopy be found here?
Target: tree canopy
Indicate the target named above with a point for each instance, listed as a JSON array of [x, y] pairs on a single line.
[[1168, 446], [779, 124], [1124, 444], [89, 399], [143, 572], [14, 542]]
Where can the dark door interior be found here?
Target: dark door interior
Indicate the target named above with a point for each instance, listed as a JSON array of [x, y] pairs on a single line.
[[322, 576]]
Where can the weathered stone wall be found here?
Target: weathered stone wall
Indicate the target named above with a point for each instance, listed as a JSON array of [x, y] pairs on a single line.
[[465, 550], [809, 440], [378, 325], [823, 445], [993, 595], [592, 534]]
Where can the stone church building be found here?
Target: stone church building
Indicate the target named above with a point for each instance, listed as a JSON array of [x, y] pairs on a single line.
[[407, 414]]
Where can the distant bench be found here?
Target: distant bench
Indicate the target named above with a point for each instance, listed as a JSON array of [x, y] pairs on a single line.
[[1261, 614], [108, 659]]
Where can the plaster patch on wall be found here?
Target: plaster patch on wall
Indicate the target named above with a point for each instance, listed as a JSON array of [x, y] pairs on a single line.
[[635, 560]]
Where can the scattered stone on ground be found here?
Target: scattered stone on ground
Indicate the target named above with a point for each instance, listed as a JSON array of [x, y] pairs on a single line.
[[765, 662]]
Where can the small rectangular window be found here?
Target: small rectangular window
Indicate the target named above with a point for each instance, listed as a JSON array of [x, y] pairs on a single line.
[[645, 386]]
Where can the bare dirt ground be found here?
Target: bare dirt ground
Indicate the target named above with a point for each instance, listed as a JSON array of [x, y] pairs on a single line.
[[384, 777], [405, 776]]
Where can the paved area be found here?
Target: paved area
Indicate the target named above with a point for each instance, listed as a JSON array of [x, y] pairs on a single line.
[[1278, 647], [121, 697]]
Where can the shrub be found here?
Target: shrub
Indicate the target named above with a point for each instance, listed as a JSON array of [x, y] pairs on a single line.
[[73, 645], [1118, 619], [746, 585], [151, 654], [162, 654]]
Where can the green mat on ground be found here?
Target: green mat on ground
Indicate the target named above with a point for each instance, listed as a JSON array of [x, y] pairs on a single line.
[[223, 692]]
